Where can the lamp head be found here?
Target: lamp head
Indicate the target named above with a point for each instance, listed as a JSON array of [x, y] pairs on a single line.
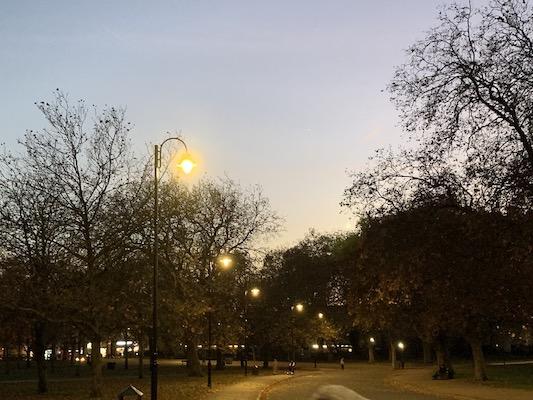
[[186, 164], [225, 261]]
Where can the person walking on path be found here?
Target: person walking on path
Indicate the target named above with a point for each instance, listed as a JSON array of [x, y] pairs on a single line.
[[342, 362]]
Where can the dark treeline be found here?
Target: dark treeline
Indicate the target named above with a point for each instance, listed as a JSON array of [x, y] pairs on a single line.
[[446, 222]]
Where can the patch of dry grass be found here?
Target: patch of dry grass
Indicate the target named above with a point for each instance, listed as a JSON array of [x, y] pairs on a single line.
[[173, 385]]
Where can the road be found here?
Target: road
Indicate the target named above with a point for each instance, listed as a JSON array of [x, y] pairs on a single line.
[[367, 380]]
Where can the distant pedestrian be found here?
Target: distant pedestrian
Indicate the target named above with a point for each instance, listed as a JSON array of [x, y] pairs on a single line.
[[292, 367], [275, 366], [342, 362]]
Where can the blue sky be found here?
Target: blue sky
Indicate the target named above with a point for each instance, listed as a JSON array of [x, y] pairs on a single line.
[[285, 94]]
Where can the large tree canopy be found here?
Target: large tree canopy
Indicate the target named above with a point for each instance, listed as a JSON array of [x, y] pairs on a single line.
[[466, 91]]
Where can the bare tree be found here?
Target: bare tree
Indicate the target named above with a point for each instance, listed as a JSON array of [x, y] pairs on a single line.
[[467, 89], [30, 232], [85, 155]]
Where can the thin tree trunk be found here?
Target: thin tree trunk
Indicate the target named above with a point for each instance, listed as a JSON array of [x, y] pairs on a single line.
[[126, 355], [266, 353], [480, 370], [426, 348], [220, 361], [193, 362], [40, 348], [6, 358], [19, 355], [96, 369], [141, 354], [393, 354], [28, 352], [442, 353], [53, 357]]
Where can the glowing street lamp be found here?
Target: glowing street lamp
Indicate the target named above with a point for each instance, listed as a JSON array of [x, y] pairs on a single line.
[[299, 308], [254, 292], [186, 165], [372, 340], [320, 315], [401, 347], [225, 261]]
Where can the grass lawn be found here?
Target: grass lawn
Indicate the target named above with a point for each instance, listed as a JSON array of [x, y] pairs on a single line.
[[63, 385], [510, 376]]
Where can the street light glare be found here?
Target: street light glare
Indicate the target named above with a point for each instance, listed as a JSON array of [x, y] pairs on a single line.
[[401, 346], [225, 261], [186, 164], [372, 340], [255, 292], [299, 307], [320, 315]]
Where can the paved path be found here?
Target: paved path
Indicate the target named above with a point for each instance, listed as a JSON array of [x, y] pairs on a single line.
[[367, 380], [249, 389]]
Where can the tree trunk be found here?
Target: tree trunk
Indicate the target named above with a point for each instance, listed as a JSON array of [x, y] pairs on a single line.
[[141, 354], [53, 357], [28, 354], [113, 348], [426, 348], [96, 368], [19, 355], [442, 353], [371, 357], [480, 371], [40, 348], [266, 354], [220, 362], [193, 362], [393, 354], [126, 355], [6, 358]]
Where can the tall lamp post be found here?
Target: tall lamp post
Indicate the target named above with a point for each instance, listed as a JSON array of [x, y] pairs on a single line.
[[298, 308], [225, 261], [186, 165], [254, 292], [320, 317]]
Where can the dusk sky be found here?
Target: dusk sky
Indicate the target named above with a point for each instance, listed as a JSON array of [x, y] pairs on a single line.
[[285, 94]]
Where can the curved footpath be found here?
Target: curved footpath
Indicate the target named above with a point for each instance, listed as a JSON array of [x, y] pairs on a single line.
[[254, 388], [371, 382], [368, 381]]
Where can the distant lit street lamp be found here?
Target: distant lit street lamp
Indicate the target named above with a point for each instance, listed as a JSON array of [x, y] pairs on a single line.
[[320, 316], [186, 165], [225, 261], [372, 343], [298, 308], [254, 292], [401, 347]]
